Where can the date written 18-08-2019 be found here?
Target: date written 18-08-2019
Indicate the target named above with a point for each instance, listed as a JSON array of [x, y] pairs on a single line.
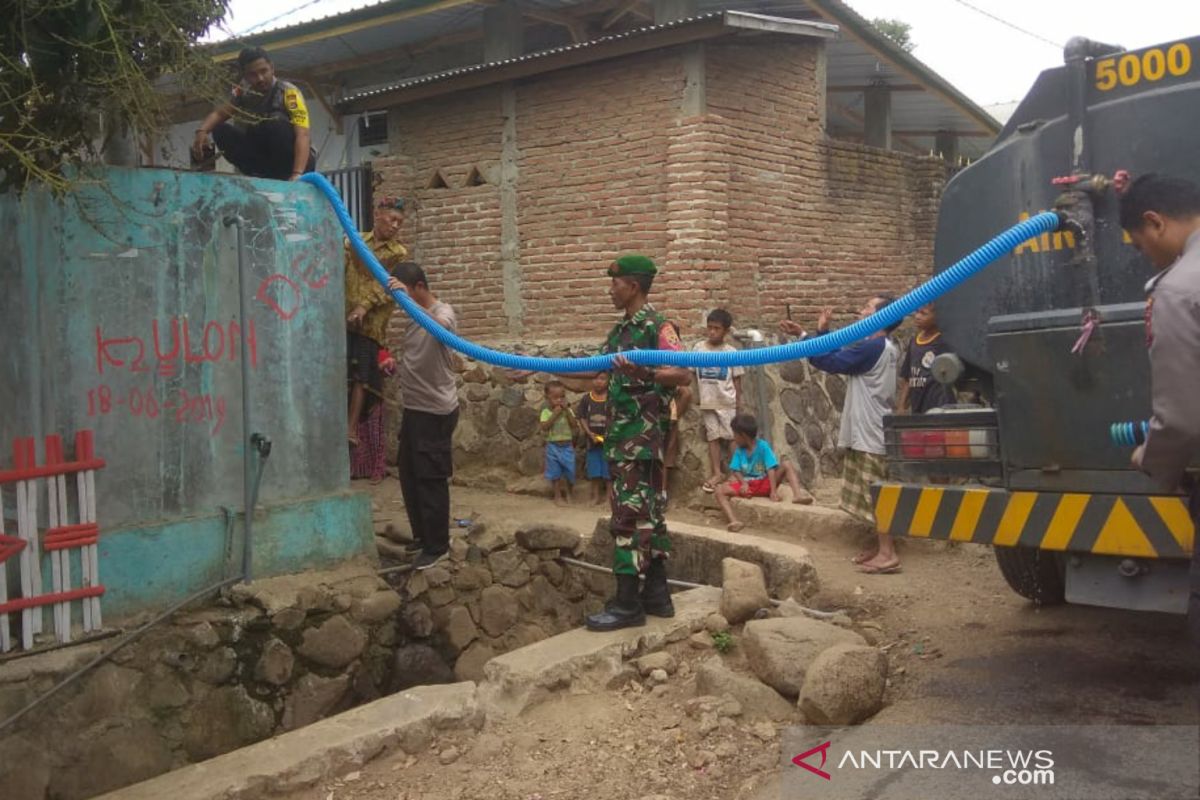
[[179, 405]]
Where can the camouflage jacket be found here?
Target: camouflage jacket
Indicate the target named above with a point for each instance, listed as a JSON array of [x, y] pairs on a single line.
[[638, 411]]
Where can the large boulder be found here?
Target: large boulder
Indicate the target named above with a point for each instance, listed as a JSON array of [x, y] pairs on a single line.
[[509, 568], [227, 719], [781, 650], [460, 629], [469, 666], [313, 698], [275, 664], [124, 754], [756, 699], [844, 685], [498, 610], [418, 665], [522, 421], [416, 620], [335, 643], [743, 590], [490, 538]]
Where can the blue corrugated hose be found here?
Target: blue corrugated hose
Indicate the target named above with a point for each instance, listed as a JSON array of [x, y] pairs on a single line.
[[926, 293], [1129, 434]]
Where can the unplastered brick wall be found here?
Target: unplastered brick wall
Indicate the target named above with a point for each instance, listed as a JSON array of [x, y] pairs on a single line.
[[446, 167], [592, 183], [812, 222], [882, 208], [747, 205]]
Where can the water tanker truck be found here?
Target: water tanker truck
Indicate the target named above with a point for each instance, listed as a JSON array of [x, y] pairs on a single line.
[[1052, 342]]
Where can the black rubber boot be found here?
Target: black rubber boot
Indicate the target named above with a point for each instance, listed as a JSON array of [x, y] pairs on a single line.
[[656, 595], [623, 611]]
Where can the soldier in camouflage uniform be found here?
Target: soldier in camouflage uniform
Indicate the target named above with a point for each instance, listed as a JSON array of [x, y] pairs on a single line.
[[638, 402], [638, 407]]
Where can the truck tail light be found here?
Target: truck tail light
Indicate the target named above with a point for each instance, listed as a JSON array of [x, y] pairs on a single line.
[[952, 443]]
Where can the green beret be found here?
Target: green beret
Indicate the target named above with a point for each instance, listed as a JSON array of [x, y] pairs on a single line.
[[632, 265]]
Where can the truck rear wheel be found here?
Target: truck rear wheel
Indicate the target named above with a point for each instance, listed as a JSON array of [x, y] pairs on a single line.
[[1034, 574]]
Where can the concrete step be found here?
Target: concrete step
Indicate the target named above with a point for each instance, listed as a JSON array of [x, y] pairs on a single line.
[[583, 659], [698, 550], [786, 517], [408, 719]]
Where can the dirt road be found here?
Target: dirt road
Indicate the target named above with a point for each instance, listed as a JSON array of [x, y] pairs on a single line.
[[963, 648], [972, 650]]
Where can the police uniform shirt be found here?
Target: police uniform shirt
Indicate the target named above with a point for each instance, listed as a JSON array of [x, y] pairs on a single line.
[[283, 102]]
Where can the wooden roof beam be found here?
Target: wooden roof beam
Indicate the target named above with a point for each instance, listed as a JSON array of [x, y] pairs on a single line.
[[617, 13], [575, 25]]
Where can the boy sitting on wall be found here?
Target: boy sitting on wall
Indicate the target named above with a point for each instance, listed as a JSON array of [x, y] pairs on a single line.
[[756, 472]]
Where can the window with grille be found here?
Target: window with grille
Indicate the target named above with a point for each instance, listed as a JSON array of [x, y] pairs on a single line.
[[372, 129]]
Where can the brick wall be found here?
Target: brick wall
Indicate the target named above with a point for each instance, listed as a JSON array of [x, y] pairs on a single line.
[[811, 221], [452, 231], [747, 206], [593, 144]]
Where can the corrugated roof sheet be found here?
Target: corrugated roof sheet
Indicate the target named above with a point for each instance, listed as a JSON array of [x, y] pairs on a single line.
[[731, 18], [373, 30]]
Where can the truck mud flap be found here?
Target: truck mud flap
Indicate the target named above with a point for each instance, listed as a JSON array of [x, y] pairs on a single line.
[[1119, 525]]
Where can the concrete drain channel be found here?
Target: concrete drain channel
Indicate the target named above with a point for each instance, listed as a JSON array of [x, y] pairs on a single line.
[[516, 633]]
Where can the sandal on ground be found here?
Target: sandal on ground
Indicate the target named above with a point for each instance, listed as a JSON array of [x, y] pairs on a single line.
[[893, 569], [734, 527], [708, 487]]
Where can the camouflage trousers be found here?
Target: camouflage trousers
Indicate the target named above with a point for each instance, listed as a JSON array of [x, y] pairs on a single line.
[[639, 504]]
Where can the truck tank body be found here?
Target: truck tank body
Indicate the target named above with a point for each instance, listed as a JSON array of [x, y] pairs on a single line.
[[1018, 321]]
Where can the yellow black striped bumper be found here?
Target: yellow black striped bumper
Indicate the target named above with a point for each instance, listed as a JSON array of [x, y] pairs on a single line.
[[1108, 524]]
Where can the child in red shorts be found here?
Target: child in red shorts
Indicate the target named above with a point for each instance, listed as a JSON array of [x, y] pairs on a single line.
[[756, 471]]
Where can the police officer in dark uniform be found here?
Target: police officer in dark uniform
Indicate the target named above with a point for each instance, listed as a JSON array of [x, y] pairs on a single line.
[[263, 130]]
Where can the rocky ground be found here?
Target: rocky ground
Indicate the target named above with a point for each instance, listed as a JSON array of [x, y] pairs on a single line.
[[644, 740], [960, 648]]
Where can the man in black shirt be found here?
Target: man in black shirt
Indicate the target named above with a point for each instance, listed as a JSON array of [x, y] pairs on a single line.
[[919, 392], [268, 136]]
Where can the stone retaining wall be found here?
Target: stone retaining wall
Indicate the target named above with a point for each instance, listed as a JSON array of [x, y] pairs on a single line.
[[498, 444], [268, 657], [500, 589]]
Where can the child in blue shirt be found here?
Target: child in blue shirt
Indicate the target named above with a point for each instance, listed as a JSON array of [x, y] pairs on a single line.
[[756, 471]]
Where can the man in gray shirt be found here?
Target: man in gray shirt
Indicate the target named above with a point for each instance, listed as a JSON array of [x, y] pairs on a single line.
[[430, 399], [1162, 216]]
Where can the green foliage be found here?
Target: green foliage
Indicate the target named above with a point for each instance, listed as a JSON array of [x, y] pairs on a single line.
[[64, 63], [723, 641], [898, 31]]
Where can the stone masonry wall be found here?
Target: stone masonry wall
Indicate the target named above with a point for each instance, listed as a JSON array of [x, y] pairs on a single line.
[[501, 589], [498, 444], [266, 658]]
